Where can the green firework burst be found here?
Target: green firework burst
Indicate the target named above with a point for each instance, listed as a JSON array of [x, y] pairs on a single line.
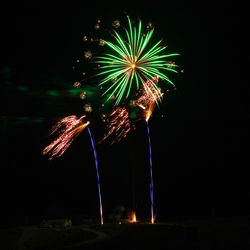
[[133, 63]]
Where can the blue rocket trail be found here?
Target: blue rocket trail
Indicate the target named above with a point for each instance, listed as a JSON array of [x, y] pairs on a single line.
[[97, 172], [151, 176]]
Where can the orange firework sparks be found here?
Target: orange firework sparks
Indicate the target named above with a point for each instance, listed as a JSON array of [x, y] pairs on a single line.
[[67, 129], [152, 220], [119, 124], [149, 97], [133, 218]]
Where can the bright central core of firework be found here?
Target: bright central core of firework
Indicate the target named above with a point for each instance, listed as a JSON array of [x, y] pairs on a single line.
[[132, 62], [133, 65]]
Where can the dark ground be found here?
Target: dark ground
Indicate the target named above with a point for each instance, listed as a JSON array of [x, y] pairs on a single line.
[[221, 233]]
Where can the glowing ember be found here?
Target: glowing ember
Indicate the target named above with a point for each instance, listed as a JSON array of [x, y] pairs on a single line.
[[88, 108], [101, 42], [116, 24], [153, 220], [141, 106], [133, 220], [83, 95], [97, 26], [77, 84], [134, 217], [88, 54], [85, 39]]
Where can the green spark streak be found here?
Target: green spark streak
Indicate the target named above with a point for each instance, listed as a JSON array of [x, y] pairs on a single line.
[[132, 63]]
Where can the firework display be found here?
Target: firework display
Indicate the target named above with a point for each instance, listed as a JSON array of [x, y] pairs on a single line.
[[118, 124], [149, 97], [67, 129], [132, 62], [128, 73], [147, 102]]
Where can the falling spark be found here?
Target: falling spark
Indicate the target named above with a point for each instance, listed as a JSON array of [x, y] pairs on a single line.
[[97, 172], [85, 39], [68, 129], [77, 84], [132, 103], [83, 95], [149, 97], [116, 24], [150, 25], [101, 42], [88, 54], [141, 106], [119, 124], [97, 26], [88, 108]]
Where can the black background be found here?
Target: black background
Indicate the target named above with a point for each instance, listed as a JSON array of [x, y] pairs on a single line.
[[199, 147]]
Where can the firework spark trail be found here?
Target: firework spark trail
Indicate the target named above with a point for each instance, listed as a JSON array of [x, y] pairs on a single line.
[[151, 177], [119, 124], [67, 129], [149, 97], [147, 102], [133, 61], [97, 172]]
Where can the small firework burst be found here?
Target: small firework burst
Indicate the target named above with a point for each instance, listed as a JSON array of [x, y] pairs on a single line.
[[118, 124], [88, 54], [116, 24], [97, 26], [149, 97], [83, 95], [133, 62], [67, 130], [88, 108], [85, 38], [101, 42], [77, 84], [150, 25]]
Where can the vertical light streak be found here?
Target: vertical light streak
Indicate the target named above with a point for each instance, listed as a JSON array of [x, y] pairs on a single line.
[[97, 172], [133, 218], [151, 176]]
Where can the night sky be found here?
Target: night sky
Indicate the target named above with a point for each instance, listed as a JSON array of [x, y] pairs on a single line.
[[199, 146]]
